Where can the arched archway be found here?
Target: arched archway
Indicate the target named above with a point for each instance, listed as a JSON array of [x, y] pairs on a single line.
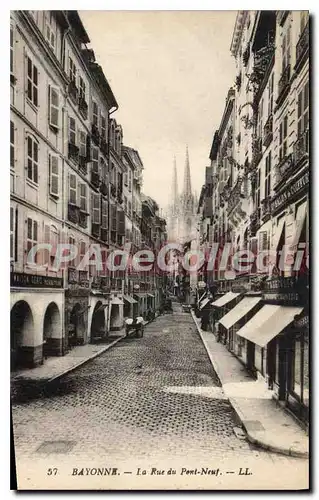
[[51, 329], [76, 327], [98, 322], [21, 324]]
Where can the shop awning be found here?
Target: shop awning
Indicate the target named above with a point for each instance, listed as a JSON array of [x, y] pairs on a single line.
[[222, 301], [204, 303], [101, 307], [117, 302], [151, 295], [300, 221], [129, 299], [239, 311], [268, 323]]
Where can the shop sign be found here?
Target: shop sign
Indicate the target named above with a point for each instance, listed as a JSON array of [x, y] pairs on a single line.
[[35, 281], [290, 191]]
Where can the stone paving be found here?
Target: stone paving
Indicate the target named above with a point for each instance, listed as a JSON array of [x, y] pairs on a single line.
[[155, 398]]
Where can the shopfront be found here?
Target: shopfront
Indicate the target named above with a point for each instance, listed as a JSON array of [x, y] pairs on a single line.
[[221, 307]]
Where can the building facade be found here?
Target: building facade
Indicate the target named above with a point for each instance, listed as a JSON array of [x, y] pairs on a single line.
[[67, 168], [258, 189]]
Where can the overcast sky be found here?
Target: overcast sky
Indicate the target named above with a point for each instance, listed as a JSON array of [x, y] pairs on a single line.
[[170, 72]]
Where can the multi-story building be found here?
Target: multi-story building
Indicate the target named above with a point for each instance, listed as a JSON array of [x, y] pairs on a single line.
[[262, 203], [60, 106]]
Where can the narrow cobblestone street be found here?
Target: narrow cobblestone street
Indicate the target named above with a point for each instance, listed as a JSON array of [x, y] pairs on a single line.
[[149, 398]]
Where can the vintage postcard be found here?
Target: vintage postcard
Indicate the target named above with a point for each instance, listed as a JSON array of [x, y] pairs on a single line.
[[159, 239]]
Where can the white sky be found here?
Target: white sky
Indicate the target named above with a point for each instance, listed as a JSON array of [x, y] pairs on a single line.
[[170, 72]]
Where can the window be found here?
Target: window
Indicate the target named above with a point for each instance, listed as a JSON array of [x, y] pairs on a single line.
[[72, 71], [95, 208], [283, 135], [257, 192], [95, 114], [72, 189], [32, 82], [72, 131], [54, 107], [103, 128], [50, 29], [260, 119], [130, 175], [54, 174], [11, 50], [82, 143], [105, 214], [303, 110], [297, 367], [82, 251], [285, 48], [129, 209], [271, 95], [81, 88], [32, 236], [12, 233], [72, 263], [83, 197], [268, 175], [32, 159], [95, 160], [263, 240], [12, 141], [104, 172]]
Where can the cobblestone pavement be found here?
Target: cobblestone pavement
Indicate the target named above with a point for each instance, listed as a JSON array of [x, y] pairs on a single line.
[[152, 397]]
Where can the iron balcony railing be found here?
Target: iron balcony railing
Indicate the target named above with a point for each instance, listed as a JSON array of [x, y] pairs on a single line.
[[301, 147], [303, 44]]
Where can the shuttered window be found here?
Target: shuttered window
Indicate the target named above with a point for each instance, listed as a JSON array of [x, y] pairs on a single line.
[[32, 82], [32, 236], [283, 138], [268, 175], [54, 174], [95, 114], [32, 159], [95, 160], [11, 233], [105, 215], [83, 197], [72, 130], [96, 208], [12, 144], [72, 189], [54, 107], [82, 143], [303, 109]]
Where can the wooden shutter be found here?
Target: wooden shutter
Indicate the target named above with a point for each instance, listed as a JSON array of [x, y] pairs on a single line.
[[54, 174], [54, 106], [121, 222]]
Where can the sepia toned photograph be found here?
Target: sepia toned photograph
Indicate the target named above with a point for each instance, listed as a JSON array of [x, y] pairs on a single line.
[[159, 250]]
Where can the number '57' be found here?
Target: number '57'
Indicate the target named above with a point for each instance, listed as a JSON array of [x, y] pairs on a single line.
[[52, 472]]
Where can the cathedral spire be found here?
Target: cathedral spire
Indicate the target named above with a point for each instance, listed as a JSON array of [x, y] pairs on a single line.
[[174, 186], [187, 178]]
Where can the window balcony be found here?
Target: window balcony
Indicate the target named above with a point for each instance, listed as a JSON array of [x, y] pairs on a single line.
[[268, 131], [73, 213], [113, 190], [95, 179], [83, 219], [284, 167], [284, 84], [73, 152], [301, 148], [120, 196], [83, 107], [73, 275], [95, 135], [95, 230], [73, 91], [83, 279], [104, 234], [104, 189], [257, 151], [96, 283], [302, 48], [104, 147], [82, 164], [254, 223], [265, 209]]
